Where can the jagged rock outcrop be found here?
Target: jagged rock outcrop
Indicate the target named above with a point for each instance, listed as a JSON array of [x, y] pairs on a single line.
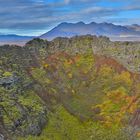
[[9, 81], [19, 113]]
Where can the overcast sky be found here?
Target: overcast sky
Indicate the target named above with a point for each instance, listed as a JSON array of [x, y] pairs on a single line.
[[34, 17]]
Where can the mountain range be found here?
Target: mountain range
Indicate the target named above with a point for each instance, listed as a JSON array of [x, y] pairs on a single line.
[[14, 39], [114, 32]]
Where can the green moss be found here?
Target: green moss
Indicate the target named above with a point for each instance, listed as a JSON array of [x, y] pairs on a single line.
[[64, 126], [7, 74]]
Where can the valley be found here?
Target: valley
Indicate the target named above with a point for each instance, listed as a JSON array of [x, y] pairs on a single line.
[[77, 88]]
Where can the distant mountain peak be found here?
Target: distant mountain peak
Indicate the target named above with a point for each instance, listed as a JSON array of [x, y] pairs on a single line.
[[93, 23], [63, 23], [136, 25], [81, 22]]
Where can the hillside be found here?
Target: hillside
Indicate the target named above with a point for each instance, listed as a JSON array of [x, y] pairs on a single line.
[[79, 88]]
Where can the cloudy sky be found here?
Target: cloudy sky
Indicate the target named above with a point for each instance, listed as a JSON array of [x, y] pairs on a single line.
[[34, 17]]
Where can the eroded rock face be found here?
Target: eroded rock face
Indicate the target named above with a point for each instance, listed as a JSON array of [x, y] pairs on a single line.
[[35, 128], [33, 125], [21, 111], [1, 137]]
